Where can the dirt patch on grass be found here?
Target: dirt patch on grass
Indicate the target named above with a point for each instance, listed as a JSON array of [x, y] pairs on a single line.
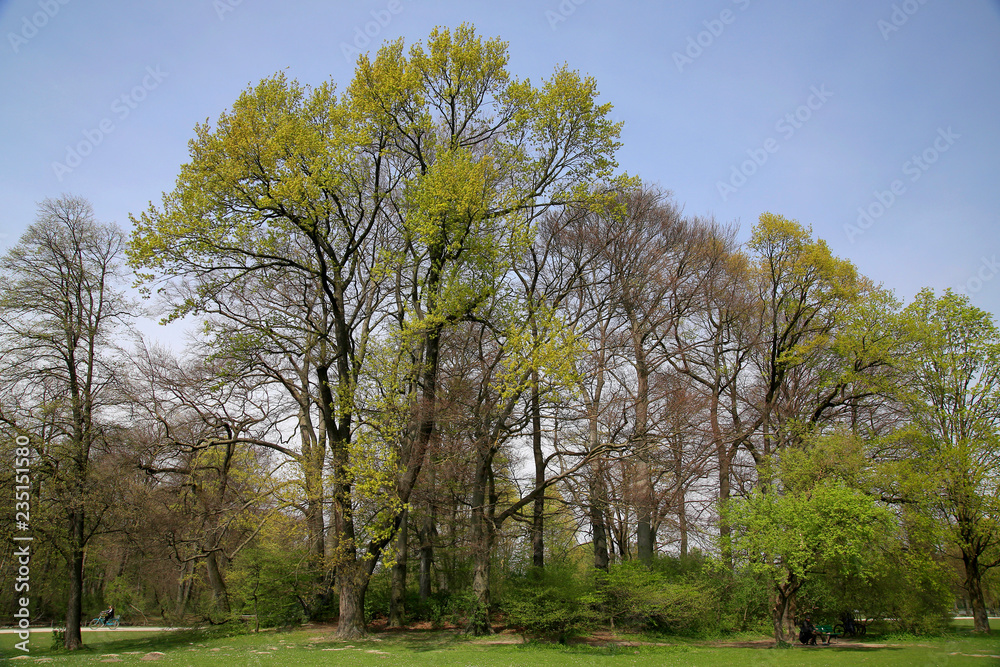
[[769, 643]]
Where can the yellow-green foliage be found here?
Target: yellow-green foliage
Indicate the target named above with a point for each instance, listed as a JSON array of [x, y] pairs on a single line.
[[803, 285], [816, 516]]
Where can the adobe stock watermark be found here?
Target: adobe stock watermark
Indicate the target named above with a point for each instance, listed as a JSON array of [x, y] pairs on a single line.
[[900, 15], [22, 541], [988, 268], [696, 44], [565, 10], [121, 108], [787, 126], [914, 168], [223, 7], [366, 34], [30, 25]]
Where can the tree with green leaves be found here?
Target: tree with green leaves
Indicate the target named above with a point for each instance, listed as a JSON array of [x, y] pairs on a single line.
[[430, 168], [803, 292], [815, 518], [948, 457]]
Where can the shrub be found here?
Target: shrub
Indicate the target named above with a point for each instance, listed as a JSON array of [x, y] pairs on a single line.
[[272, 583], [645, 599], [553, 603]]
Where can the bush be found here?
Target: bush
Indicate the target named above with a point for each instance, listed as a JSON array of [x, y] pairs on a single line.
[[552, 603], [635, 596], [912, 591], [744, 601], [270, 582]]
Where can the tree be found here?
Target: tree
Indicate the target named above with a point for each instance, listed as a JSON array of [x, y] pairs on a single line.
[[816, 517], [949, 384], [804, 291], [430, 169], [60, 306]]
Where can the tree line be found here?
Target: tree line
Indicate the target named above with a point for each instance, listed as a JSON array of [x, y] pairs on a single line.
[[444, 347]]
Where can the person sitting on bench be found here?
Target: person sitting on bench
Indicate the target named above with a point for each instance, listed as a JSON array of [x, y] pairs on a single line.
[[807, 632]]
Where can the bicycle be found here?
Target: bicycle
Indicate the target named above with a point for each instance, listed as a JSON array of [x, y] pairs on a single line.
[[110, 622], [853, 628]]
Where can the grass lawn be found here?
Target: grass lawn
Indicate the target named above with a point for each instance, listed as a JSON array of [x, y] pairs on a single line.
[[438, 648]]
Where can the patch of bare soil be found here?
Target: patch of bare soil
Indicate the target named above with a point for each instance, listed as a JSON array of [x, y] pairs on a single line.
[[768, 643], [754, 643]]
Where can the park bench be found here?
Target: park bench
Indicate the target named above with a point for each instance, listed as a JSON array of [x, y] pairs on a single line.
[[827, 633]]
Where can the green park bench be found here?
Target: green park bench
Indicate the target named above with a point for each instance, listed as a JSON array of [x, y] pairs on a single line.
[[827, 633]]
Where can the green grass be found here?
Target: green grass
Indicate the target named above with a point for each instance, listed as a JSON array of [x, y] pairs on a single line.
[[439, 648]]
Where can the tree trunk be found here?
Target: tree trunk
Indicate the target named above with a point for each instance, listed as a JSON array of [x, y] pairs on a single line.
[[782, 603], [644, 484], [183, 591], [682, 523], [397, 594], [482, 540], [597, 521], [974, 587], [447, 567], [426, 563], [426, 536], [479, 619], [644, 515], [219, 594], [538, 508], [352, 586], [680, 476], [74, 607], [313, 460], [722, 456]]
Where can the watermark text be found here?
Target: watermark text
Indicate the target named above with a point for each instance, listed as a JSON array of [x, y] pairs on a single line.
[[121, 108], [914, 168], [22, 541], [786, 126], [31, 25]]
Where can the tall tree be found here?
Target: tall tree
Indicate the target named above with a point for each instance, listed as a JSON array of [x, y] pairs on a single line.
[[286, 163], [437, 162], [949, 383], [803, 292], [60, 305]]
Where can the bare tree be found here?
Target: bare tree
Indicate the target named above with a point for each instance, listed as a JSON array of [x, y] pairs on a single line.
[[60, 305]]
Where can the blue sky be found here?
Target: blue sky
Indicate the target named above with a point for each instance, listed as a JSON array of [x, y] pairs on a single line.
[[876, 122]]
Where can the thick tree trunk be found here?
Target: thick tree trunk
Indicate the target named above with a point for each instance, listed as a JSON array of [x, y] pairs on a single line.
[[219, 594], [183, 591], [426, 563], [724, 469], [682, 522], [313, 461], [974, 587], [426, 535], [352, 585], [680, 495], [447, 567], [74, 607], [782, 603], [644, 519], [397, 594], [597, 521], [479, 619]]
